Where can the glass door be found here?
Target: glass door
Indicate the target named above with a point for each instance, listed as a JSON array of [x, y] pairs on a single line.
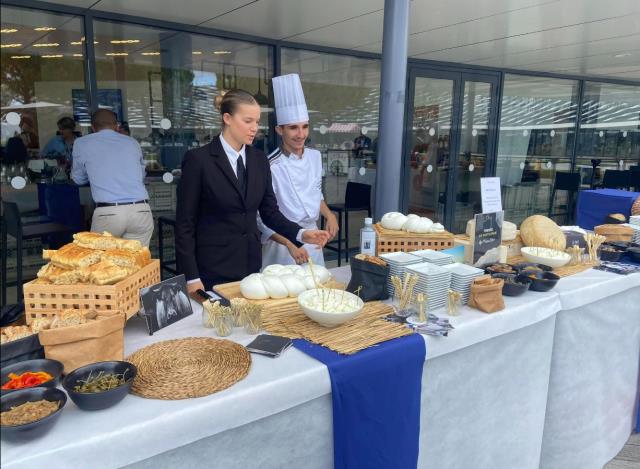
[[450, 139]]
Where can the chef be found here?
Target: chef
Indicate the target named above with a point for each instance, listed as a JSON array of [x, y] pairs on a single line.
[[296, 173]]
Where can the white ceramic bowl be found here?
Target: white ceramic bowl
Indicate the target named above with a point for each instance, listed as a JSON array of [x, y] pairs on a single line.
[[546, 256], [311, 303]]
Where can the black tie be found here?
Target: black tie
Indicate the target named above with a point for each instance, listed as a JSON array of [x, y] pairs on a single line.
[[242, 177]]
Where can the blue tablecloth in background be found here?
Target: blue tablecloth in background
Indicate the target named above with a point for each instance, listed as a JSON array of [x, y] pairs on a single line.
[[376, 402], [595, 205]]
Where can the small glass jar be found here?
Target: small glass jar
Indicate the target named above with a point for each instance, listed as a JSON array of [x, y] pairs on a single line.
[[253, 320], [223, 323]]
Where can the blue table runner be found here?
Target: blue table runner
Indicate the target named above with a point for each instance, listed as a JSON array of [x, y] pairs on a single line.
[[376, 402]]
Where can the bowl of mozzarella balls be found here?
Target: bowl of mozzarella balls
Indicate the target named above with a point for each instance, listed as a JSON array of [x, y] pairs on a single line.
[[330, 307]]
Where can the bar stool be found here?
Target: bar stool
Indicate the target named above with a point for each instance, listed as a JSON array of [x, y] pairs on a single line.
[[357, 198], [569, 182], [12, 225], [170, 265]]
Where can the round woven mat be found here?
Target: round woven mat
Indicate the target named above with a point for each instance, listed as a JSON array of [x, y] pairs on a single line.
[[186, 368]]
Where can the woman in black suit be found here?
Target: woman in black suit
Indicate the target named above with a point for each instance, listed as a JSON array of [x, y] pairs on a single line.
[[222, 188]]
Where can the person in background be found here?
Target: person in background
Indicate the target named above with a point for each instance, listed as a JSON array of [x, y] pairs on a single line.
[[62, 143], [361, 144], [112, 164], [296, 173], [222, 188], [27, 133]]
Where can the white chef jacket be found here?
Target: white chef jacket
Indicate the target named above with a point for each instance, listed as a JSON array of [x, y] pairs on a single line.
[[297, 184]]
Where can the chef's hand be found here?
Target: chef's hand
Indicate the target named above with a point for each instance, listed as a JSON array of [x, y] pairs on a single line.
[[299, 254], [332, 226], [193, 287], [319, 237]]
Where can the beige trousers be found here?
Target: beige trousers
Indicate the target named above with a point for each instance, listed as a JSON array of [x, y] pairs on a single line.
[[125, 221]]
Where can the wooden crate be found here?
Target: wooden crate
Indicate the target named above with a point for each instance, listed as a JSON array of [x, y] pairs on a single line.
[[394, 241], [43, 301]]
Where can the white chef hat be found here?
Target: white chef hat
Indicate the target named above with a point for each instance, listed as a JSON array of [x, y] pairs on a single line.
[[289, 99]]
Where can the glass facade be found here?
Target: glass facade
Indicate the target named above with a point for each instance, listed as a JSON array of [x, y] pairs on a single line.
[[342, 95], [609, 130], [537, 132], [162, 84]]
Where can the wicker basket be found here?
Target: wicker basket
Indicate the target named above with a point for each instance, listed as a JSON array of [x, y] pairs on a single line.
[[43, 301], [394, 241]]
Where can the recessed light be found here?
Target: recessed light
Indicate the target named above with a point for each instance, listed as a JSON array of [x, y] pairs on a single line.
[[125, 41], [197, 52], [221, 52], [45, 28], [619, 56], [48, 44], [52, 56], [8, 30], [76, 43], [20, 56], [117, 54], [150, 53], [77, 55], [6, 46]]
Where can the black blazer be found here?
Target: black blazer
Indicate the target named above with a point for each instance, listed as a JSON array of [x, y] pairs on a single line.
[[217, 237]]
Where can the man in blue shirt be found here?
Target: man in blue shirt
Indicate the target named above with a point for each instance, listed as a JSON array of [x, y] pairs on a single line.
[[112, 164]]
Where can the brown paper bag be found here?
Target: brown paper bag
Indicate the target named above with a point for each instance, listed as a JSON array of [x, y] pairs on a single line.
[[486, 294], [94, 341]]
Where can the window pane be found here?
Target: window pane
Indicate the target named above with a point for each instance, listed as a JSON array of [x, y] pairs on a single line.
[[537, 127], [342, 95], [42, 81], [609, 129], [147, 74]]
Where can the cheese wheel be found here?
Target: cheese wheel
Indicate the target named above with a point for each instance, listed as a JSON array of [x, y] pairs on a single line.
[[540, 231]]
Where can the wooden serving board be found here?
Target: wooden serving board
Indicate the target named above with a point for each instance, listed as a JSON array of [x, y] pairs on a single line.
[[564, 271], [232, 290], [404, 234]]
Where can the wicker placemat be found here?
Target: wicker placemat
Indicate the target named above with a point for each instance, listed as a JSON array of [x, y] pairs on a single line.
[[563, 271], [365, 330], [186, 368]]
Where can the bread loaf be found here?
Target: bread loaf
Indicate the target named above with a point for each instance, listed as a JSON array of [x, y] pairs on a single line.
[[615, 232], [540, 231]]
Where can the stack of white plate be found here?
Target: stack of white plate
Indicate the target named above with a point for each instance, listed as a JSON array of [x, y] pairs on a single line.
[[434, 257], [397, 264], [461, 278], [634, 222], [434, 281]]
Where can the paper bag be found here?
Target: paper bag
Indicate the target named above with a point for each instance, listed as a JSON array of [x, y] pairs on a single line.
[[486, 294], [95, 341]]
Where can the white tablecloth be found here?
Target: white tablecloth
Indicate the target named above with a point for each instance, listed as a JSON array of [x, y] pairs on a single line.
[[484, 399]]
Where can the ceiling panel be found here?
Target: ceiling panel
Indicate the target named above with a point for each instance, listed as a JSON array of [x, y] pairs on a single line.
[[190, 12], [283, 19], [347, 35]]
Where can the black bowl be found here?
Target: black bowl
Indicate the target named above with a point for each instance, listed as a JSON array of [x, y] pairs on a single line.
[[532, 266], [540, 281], [53, 367], [634, 254], [33, 429], [494, 268], [513, 285], [99, 400], [610, 255]]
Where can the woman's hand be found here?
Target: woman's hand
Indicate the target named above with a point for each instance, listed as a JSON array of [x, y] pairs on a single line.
[[299, 254]]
